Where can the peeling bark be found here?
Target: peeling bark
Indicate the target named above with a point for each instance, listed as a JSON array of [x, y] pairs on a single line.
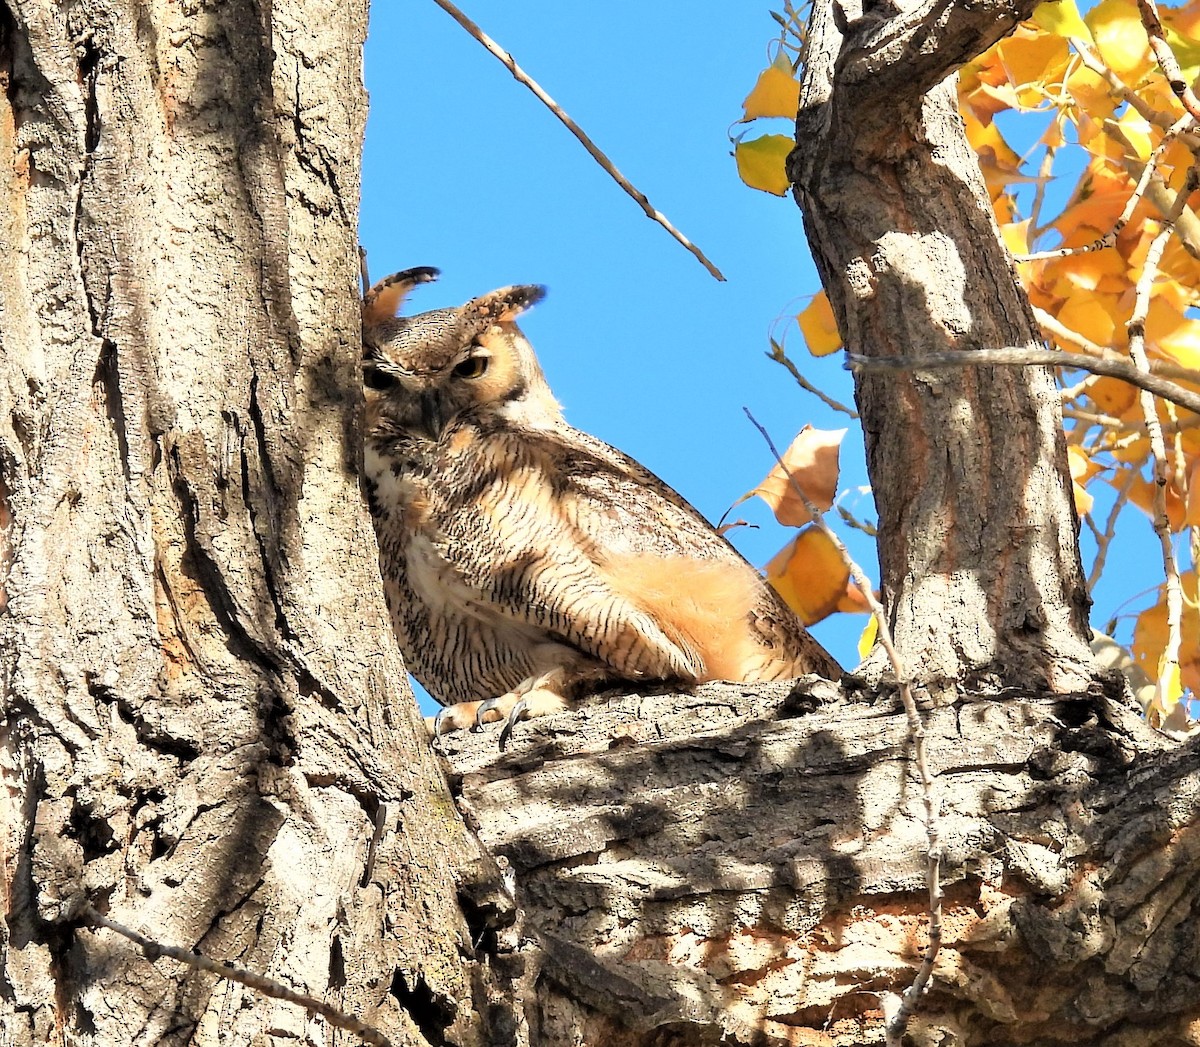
[[207, 730]]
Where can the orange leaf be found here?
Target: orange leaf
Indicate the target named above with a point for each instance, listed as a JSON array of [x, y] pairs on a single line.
[[1141, 493], [811, 464], [819, 327], [1150, 635], [1082, 470], [810, 575], [852, 600], [1113, 396]]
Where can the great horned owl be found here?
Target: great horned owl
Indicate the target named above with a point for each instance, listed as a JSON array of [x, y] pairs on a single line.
[[525, 562]]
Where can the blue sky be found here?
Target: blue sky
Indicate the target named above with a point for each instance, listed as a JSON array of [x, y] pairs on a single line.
[[465, 170]]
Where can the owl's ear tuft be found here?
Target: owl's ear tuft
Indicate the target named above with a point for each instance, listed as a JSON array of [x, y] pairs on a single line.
[[384, 299], [505, 304]]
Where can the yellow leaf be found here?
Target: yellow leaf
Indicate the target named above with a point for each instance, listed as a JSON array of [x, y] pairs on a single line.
[[762, 163], [1191, 516], [819, 327], [1083, 315], [1082, 469], [809, 574], [1120, 38], [776, 93], [1092, 94], [1062, 18], [867, 640], [1150, 636], [1172, 334], [1016, 236], [1030, 57], [811, 463]]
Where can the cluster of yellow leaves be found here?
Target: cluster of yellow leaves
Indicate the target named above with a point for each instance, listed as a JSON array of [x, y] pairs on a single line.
[[1099, 107], [1093, 81]]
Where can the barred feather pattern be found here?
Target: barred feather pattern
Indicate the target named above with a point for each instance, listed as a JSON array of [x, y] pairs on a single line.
[[514, 546]]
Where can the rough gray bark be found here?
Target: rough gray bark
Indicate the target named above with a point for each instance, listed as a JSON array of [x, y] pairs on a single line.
[[977, 528], [207, 732], [745, 866]]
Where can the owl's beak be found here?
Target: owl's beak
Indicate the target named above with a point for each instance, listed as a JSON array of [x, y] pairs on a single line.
[[432, 420]]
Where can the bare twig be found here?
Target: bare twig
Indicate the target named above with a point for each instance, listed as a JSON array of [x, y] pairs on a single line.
[[1103, 540], [1167, 62], [1169, 663], [523, 77], [152, 950], [1109, 239], [780, 357], [1158, 192], [897, 1022], [1062, 333], [850, 520], [1015, 357], [1122, 91]]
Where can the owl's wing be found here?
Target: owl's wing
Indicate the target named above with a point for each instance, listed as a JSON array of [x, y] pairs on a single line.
[[580, 544]]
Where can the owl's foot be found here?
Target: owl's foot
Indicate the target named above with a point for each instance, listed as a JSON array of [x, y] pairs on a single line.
[[537, 696], [455, 718]]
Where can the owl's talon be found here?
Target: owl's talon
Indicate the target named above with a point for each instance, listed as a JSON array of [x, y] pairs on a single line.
[[520, 712], [442, 717], [485, 707]]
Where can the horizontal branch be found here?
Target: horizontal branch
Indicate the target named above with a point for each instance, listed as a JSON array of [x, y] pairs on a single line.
[[1017, 357]]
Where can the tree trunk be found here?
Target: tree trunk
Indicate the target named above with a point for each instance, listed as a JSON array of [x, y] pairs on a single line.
[[977, 528], [208, 735]]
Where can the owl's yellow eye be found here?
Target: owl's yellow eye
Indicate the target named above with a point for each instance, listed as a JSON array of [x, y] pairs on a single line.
[[472, 367]]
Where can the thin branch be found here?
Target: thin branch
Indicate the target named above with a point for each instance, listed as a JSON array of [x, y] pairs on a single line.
[[850, 520], [1062, 333], [1109, 239], [896, 1022], [1122, 91], [1166, 57], [1169, 662], [1014, 357], [780, 357], [152, 950], [523, 77], [1110, 528], [1158, 192]]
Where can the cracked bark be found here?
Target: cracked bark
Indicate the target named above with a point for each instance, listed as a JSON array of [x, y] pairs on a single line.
[[746, 866], [207, 732]]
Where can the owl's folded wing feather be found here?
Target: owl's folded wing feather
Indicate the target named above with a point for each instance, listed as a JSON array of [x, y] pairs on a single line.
[[582, 545]]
